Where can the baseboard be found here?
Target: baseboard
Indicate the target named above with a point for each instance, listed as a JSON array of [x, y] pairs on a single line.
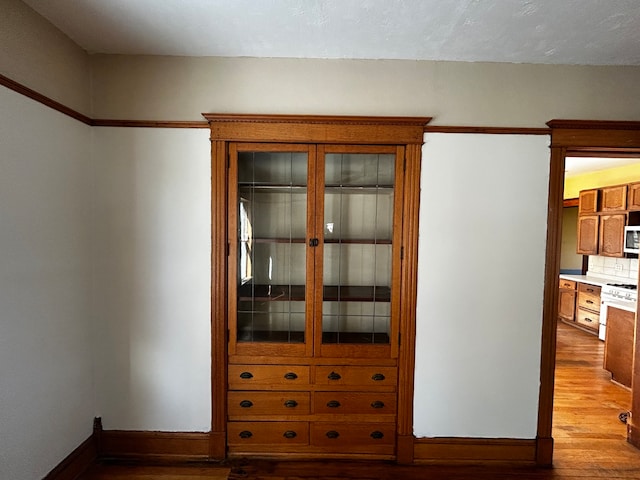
[[176, 446], [76, 462], [454, 451]]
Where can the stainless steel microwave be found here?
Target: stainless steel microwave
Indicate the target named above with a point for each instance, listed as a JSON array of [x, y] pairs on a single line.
[[632, 239]]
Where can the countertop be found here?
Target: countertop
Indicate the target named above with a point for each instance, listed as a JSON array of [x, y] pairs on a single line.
[[594, 280], [600, 281]]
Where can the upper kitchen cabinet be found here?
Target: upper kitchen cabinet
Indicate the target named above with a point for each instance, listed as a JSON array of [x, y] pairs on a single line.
[[602, 216], [588, 229], [611, 240], [633, 197], [613, 199], [588, 202]]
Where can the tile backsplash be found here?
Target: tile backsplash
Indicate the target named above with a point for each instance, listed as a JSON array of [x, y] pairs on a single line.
[[623, 269]]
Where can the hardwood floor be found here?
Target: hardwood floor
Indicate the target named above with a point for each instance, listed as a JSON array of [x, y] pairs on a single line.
[[590, 440]]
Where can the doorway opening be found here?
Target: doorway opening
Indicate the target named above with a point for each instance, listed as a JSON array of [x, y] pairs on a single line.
[[572, 138]]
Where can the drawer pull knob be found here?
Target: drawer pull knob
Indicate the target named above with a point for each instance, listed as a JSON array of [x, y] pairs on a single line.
[[246, 404], [333, 404], [377, 404], [246, 375], [246, 434], [291, 404], [377, 435], [377, 377], [334, 376], [290, 376], [289, 434], [332, 434], [588, 319], [589, 301]]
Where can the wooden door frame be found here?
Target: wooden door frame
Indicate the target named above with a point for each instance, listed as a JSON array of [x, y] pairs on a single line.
[[574, 138], [319, 129]]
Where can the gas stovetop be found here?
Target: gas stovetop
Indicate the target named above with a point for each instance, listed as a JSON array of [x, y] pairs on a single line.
[[620, 291]]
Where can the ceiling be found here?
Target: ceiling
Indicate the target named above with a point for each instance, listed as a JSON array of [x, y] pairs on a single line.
[[578, 165], [585, 32]]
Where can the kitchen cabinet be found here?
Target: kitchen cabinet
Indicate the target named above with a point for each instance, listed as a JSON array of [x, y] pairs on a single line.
[[588, 307], [319, 239], [588, 232], [619, 345], [611, 235], [600, 232], [633, 196], [567, 300], [613, 199], [588, 202]]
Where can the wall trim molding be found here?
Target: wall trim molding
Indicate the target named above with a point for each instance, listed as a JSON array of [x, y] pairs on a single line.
[[98, 122], [77, 462], [456, 451], [38, 97], [239, 118], [174, 446]]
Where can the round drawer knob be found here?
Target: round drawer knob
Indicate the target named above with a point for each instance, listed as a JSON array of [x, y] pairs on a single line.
[[377, 435], [333, 404], [289, 434], [332, 434], [246, 404], [246, 434]]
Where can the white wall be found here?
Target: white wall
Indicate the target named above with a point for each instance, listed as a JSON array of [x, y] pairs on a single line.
[[480, 283], [152, 257], [46, 388], [453, 93]]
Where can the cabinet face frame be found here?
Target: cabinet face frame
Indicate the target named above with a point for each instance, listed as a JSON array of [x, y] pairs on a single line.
[[406, 132]]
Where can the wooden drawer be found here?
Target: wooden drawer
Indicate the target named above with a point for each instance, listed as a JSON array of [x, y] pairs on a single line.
[[354, 437], [268, 377], [267, 433], [360, 376], [267, 403], [353, 403], [588, 319], [589, 296], [568, 284]]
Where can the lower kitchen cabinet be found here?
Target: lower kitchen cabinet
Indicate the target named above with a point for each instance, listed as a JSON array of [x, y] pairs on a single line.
[[579, 304], [588, 307], [567, 300], [618, 346]]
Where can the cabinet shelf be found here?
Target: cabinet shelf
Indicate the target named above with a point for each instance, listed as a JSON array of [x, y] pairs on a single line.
[[296, 293]]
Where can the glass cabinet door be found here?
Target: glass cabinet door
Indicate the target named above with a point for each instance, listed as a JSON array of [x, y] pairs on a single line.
[[358, 247], [268, 230]]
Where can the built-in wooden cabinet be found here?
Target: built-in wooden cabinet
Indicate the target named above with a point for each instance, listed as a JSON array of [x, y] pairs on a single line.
[[567, 300], [319, 267]]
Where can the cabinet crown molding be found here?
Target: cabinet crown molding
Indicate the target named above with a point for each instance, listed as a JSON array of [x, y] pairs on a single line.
[[317, 128]]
